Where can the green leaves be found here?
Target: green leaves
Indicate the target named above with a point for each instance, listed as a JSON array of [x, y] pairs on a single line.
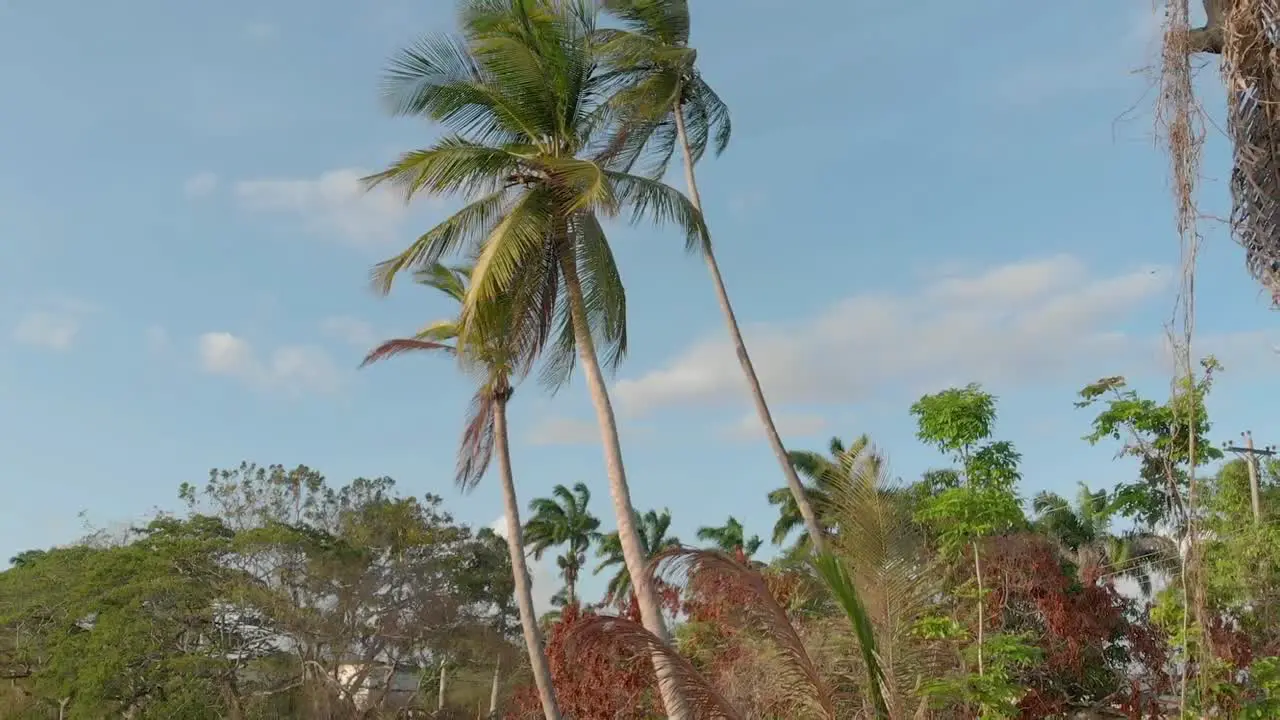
[[955, 420], [841, 585]]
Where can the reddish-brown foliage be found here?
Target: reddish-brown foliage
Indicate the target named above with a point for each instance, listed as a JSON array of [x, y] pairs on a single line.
[[591, 682], [1085, 628]]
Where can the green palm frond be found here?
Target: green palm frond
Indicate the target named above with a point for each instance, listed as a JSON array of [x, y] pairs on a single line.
[[841, 585], [877, 568]]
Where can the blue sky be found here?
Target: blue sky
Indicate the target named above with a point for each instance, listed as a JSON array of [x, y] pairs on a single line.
[[916, 196]]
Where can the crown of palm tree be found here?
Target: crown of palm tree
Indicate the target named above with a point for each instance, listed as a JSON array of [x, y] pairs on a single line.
[[731, 537], [654, 71], [822, 473], [652, 527], [490, 357], [528, 106]]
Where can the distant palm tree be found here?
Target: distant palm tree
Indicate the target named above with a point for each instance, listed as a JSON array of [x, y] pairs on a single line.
[[524, 101], [666, 104], [731, 538], [821, 473], [653, 527], [493, 361], [1083, 534], [563, 520]]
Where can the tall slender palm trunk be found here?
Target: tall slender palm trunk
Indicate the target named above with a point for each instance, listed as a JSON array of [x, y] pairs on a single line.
[[632, 550], [520, 570], [493, 691], [811, 525]]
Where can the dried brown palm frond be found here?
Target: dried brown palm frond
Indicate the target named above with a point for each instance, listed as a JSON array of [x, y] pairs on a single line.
[[702, 700], [880, 552], [1246, 34], [799, 681], [1251, 71]]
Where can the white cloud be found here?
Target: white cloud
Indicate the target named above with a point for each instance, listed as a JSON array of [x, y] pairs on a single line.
[[1020, 322], [543, 575], [564, 431], [296, 369], [350, 330], [55, 326], [790, 425], [200, 185], [334, 204]]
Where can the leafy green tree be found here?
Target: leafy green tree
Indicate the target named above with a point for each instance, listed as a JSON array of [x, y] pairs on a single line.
[[365, 578], [492, 358], [665, 103], [563, 520], [138, 630], [653, 527], [731, 538], [525, 102], [959, 422], [1159, 437]]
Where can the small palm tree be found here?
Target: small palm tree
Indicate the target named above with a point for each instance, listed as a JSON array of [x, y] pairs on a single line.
[[493, 361], [731, 538], [665, 103], [653, 527], [1083, 533], [821, 474], [563, 521], [527, 103]]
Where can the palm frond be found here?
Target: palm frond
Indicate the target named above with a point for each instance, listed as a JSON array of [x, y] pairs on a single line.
[[840, 583], [391, 348], [612, 634], [453, 165], [476, 449], [661, 204], [798, 673], [465, 227]]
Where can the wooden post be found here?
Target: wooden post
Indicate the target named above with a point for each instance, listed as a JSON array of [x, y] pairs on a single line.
[[1253, 479]]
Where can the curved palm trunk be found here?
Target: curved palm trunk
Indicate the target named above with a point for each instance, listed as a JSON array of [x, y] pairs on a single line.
[[520, 570], [740, 347], [632, 550]]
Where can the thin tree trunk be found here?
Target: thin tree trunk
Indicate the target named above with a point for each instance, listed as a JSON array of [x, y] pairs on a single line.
[[520, 570], [982, 608], [493, 691], [443, 674], [632, 550], [811, 525]]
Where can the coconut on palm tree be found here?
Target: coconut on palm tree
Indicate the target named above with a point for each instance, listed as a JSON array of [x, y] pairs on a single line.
[[563, 520], [653, 527], [731, 538], [494, 363], [664, 103], [526, 104]]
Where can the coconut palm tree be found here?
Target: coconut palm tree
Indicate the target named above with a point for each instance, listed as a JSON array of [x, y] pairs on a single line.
[[820, 473], [665, 103], [653, 527], [493, 362], [1083, 533], [563, 520], [523, 96], [731, 538]]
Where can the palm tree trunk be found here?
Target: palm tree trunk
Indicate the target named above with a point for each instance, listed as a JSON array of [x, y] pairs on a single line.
[[443, 673], [493, 691], [811, 525], [982, 607], [520, 570], [632, 550]]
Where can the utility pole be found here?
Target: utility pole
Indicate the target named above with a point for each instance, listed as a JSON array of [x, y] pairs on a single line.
[[1251, 460]]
